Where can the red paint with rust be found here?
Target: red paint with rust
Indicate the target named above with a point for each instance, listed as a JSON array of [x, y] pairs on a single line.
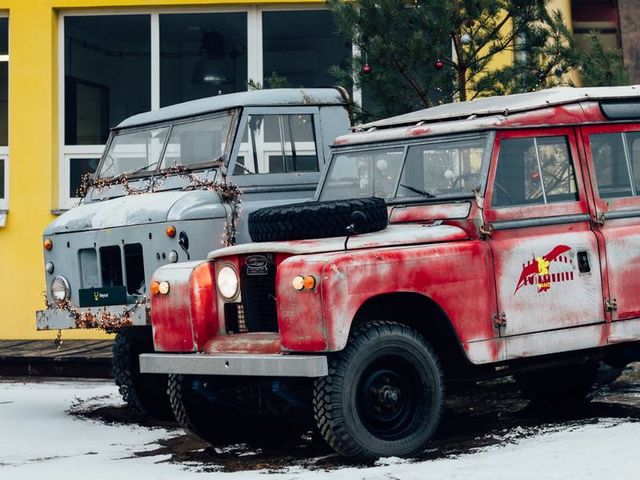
[[429, 213], [454, 275], [300, 314], [244, 343], [186, 318], [202, 296]]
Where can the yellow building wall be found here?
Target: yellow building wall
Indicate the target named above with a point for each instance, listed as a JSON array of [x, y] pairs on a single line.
[[33, 148]]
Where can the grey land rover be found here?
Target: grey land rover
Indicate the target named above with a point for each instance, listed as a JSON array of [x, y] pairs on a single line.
[[169, 187]]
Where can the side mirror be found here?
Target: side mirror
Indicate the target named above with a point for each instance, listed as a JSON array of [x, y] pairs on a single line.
[[358, 222]]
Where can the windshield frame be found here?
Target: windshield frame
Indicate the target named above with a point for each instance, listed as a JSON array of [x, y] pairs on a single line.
[[235, 114], [405, 143]]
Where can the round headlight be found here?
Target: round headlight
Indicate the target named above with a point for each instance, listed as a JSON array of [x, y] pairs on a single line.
[[60, 289], [227, 282]]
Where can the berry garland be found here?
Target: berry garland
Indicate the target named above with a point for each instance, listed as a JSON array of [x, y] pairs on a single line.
[[103, 318], [229, 192]]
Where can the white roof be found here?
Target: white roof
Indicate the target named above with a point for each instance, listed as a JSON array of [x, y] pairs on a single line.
[[253, 98], [505, 105]]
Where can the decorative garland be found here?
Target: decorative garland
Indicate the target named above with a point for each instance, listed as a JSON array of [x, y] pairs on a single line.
[[229, 192], [103, 318]]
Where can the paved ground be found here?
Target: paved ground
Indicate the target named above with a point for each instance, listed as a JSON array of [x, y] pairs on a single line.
[[69, 429]]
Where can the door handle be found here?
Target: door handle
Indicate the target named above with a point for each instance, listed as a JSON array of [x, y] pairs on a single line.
[[583, 262]]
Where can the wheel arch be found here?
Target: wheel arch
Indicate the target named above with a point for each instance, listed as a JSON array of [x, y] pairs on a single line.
[[431, 322]]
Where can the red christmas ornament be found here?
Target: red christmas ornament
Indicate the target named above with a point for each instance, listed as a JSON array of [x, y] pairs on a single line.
[[470, 22], [439, 64], [366, 68]]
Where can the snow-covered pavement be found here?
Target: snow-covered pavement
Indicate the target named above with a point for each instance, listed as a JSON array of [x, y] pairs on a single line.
[[45, 435]]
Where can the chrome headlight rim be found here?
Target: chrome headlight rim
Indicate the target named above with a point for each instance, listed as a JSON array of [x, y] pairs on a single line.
[[62, 285], [228, 282]]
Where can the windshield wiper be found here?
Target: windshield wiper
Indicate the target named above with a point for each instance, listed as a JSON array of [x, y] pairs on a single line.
[[424, 193], [138, 170]]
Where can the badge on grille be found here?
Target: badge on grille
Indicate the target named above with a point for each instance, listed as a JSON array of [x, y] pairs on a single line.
[[257, 265]]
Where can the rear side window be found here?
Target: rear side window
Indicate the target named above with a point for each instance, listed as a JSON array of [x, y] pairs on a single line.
[[534, 171], [616, 159]]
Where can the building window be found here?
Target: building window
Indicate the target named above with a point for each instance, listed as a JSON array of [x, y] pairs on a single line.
[[600, 16], [300, 48], [202, 55], [159, 59], [4, 114]]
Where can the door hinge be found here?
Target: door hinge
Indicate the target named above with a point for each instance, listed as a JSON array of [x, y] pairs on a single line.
[[598, 220], [500, 320], [486, 229], [611, 304]]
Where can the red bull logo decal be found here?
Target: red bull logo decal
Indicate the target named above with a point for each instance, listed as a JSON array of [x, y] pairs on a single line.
[[538, 271]]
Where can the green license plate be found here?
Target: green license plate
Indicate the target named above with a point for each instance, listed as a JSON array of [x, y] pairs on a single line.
[[98, 297]]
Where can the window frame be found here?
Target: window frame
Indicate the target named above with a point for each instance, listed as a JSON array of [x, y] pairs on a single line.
[[4, 201], [540, 210], [255, 73], [281, 178], [4, 150]]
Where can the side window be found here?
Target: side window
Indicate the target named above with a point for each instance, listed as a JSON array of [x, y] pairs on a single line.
[[277, 144], [533, 171], [442, 169], [611, 165]]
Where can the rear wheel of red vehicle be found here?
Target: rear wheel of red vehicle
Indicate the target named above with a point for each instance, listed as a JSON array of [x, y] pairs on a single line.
[[383, 395], [560, 384], [144, 392]]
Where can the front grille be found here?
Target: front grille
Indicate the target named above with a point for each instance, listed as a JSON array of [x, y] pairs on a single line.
[[258, 285], [234, 318], [89, 267], [111, 267]]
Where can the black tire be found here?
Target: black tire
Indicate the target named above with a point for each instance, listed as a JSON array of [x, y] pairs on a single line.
[[383, 395], [146, 393], [316, 219], [559, 385], [199, 415]]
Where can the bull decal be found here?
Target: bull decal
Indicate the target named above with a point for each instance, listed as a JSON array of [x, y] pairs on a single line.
[[536, 271]]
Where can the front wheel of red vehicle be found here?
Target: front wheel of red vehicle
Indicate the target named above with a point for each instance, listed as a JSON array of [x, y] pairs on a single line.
[[383, 395]]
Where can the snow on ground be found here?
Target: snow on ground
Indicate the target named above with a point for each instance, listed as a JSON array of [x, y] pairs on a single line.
[[40, 438]]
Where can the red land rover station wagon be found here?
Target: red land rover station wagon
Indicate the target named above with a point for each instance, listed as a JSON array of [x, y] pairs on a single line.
[[494, 237]]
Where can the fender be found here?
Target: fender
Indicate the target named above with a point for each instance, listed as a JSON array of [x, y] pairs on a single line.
[[185, 318], [455, 275]]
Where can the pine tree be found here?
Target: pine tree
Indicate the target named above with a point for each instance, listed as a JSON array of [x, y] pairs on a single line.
[[601, 66], [415, 54]]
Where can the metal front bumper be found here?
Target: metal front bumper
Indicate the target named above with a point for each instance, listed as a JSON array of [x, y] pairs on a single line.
[[56, 318], [273, 365]]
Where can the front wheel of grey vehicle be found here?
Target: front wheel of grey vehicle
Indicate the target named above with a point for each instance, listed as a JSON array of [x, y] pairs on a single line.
[[199, 414], [146, 393], [383, 395]]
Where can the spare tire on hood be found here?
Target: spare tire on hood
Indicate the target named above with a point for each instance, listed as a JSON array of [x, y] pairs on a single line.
[[317, 219]]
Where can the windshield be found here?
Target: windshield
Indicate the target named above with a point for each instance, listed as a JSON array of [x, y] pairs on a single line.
[[431, 170], [188, 144]]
